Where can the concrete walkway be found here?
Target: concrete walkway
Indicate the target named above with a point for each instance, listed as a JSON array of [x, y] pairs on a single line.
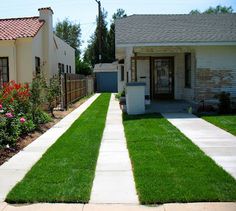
[[121, 207], [215, 142], [113, 181], [14, 170]]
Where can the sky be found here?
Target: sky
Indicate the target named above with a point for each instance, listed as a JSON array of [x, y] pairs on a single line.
[[85, 11]]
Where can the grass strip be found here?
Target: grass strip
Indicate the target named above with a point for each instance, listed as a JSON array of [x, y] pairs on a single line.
[[168, 167], [66, 171], [226, 122]]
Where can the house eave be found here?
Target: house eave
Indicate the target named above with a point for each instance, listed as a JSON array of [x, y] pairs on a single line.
[[156, 44]]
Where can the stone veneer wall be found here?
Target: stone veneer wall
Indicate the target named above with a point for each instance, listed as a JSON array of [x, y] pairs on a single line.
[[210, 82]]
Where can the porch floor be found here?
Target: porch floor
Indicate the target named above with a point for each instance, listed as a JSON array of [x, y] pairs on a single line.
[[168, 106]]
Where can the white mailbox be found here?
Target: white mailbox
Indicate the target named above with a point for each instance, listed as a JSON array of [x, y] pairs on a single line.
[[135, 98]]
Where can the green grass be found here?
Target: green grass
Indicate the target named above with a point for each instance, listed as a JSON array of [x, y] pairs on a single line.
[[226, 122], [66, 171], [168, 167]]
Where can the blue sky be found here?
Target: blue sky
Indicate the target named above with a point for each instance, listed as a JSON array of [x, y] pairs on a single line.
[[85, 11]]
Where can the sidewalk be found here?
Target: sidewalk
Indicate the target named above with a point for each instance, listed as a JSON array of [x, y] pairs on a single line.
[[119, 207], [14, 170], [113, 181], [215, 142]]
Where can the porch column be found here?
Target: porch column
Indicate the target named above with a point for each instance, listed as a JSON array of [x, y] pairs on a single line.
[[128, 62]]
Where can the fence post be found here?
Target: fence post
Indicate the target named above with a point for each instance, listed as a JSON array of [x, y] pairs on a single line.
[[65, 81]]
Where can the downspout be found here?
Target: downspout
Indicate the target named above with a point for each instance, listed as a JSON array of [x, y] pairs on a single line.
[[15, 61]]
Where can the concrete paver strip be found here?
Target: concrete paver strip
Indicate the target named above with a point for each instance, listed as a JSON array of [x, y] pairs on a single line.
[[208, 206], [114, 181], [215, 206], [3, 206], [215, 142], [120, 207], [45, 207], [15, 168]]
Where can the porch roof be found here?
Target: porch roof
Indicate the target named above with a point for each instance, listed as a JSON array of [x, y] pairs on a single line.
[[177, 29]]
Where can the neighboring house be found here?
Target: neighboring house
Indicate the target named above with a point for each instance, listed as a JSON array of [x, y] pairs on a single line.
[[29, 46], [191, 57]]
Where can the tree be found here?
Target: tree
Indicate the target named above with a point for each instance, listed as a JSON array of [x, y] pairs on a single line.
[[214, 10], [108, 40], [70, 32], [83, 67], [92, 51], [120, 13]]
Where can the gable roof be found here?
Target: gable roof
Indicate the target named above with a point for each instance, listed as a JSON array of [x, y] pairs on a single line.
[[13, 28], [136, 29]]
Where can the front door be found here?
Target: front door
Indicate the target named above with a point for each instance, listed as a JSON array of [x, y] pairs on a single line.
[[163, 78]]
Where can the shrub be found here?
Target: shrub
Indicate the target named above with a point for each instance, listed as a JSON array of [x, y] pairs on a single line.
[[53, 91], [20, 109], [224, 103], [15, 97], [41, 117], [38, 95]]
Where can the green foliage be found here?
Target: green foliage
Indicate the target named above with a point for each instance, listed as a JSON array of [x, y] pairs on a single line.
[[82, 67], [9, 131], [38, 95], [53, 91], [21, 108], [169, 168], [27, 126], [70, 32], [41, 117], [226, 122], [214, 10], [91, 54], [120, 13], [120, 94], [66, 171]]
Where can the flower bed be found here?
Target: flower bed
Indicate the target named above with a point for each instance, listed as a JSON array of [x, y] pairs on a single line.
[[19, 113]]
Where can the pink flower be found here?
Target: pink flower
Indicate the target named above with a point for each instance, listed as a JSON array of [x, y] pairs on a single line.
[[0, 106], [9, 115], [22, 120]]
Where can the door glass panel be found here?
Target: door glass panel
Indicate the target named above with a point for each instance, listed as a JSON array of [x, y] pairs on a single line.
[[163, 76]]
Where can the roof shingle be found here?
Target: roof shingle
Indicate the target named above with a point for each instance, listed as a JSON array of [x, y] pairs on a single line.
[[176, 28], [13, 28]]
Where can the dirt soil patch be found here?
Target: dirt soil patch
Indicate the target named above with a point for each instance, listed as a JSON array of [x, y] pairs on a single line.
[[23, 141]]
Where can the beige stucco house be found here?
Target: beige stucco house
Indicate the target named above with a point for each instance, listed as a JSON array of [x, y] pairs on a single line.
[[190, 57], [28, 45]]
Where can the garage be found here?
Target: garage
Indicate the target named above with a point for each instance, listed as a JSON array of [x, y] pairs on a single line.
[[106, 77]]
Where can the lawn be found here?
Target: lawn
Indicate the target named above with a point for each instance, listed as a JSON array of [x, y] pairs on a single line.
[[226, 122], [66, 171], [168, 167]]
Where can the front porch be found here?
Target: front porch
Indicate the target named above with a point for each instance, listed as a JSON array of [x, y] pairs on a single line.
[[169, 106], [167, 71]]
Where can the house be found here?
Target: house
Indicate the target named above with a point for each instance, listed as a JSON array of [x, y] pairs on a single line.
[[29, 46], [190, 57]]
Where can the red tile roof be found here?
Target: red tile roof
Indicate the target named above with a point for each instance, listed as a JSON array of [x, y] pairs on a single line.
[[13, 28]]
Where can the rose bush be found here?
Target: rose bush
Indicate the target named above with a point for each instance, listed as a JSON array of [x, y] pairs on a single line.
[[17, 112]]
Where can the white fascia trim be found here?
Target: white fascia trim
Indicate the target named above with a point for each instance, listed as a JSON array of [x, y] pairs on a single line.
[[175, 44]]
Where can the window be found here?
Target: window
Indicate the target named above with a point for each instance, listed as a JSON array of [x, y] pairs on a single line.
[[127, 77], [70, 69], [187, 70], [37, 65], [62, 68], [67, 70], [4, 70], [59, 68], [122, 72]]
